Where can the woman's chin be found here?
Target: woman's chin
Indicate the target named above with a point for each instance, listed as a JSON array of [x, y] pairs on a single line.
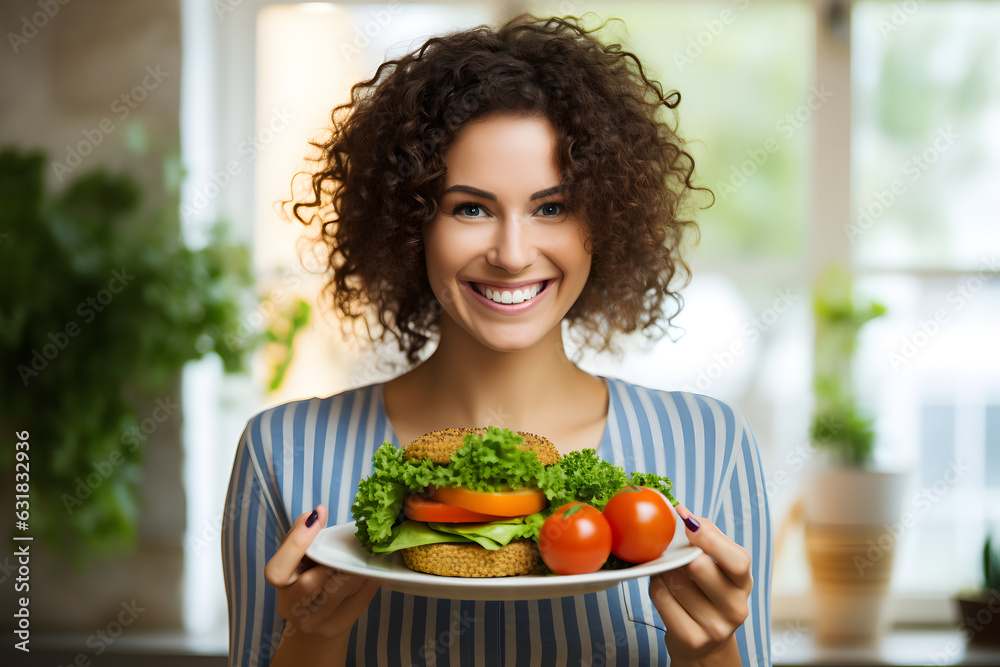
[[512, 341]]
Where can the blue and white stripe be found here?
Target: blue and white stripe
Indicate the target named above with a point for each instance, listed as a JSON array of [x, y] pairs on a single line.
[[303, 453]]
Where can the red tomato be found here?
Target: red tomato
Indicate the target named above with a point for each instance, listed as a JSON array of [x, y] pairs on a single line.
[[499, 503], [576, 539], [642, 524], [419, 508]]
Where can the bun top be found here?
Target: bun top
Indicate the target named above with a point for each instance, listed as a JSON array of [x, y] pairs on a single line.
[[438, 446]]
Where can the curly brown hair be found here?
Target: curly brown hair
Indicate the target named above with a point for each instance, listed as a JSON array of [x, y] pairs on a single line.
[[625, 170]]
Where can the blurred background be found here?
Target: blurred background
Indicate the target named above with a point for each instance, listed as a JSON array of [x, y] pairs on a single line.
[[155, 298]]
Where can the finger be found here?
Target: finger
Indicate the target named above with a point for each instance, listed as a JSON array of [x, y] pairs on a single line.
[[314, 597], [711, 623], [719, 610], [675, 617], [731, 557], [688, 594], [300, 595], [338, 605], [281, 569], [352, 607], [725, 596]]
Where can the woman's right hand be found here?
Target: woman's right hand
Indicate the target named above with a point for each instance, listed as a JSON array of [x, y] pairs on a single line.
[[320, 605]]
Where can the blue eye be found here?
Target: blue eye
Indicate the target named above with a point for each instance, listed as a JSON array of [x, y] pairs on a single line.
[[468, 210], [551, 209]]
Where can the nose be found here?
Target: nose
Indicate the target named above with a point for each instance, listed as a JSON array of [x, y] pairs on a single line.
[[512, 248]]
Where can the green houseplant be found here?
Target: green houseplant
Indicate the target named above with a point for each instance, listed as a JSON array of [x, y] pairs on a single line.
[[102, 306], [847, 500], [838, 426], [978, 609]]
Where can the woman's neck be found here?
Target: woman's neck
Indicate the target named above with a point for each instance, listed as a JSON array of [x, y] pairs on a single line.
[[512, 385], [478, 385], [535, 389]]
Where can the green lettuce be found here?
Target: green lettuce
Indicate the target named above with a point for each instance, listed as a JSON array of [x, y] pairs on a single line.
[[653, 481], [583, 476], [492, 535], [495, 534], [379, 500], [414, 534], [494, 461]]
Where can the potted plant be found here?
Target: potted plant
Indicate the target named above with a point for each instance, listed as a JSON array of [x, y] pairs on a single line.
[[851, 507], [980, 610], [102, 306]]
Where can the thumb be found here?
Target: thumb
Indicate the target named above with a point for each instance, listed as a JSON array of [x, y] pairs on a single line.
[[730, 556], [700, 531], [281, 569], [690, 521]]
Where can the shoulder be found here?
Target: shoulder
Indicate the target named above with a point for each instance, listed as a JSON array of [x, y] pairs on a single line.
[[700, 442], [682, 404], [328, 406], [335, 434]]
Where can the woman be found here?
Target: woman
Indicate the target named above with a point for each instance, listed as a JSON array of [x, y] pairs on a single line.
[[480, 192]]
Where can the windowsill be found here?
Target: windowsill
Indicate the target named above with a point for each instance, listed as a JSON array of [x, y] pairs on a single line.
[[903, 646], [791, 646], [153, 643], [150, 649]]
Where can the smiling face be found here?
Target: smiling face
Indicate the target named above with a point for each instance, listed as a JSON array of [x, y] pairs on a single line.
[[505, 258]]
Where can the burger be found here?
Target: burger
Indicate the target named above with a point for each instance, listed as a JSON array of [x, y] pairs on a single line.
[[458, 502], [470, 502]]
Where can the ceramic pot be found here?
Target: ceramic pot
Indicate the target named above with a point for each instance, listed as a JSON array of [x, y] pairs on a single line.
[[980, 616], [853, 521]]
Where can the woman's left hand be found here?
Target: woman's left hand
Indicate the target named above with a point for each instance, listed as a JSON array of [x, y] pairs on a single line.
[[703, 602]]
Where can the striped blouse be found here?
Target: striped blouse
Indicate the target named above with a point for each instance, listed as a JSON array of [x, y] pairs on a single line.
[[295, 456]]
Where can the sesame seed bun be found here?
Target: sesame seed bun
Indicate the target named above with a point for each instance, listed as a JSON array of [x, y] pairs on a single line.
[[472, 560], [438, 446]]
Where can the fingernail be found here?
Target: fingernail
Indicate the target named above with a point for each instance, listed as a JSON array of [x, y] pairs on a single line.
[[692, 525], [315, 515]]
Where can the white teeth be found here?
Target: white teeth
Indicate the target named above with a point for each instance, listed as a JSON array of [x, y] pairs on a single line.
[[515, 296]]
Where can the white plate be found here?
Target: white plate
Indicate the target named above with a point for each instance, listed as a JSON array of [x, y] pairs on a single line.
[[337, 547]]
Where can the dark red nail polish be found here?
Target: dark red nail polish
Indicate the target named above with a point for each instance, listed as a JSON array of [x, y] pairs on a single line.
[[692, 525], [312, 519]]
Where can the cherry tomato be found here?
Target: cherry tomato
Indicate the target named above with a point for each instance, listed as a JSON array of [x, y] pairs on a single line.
[[642, 524], [576, 539]]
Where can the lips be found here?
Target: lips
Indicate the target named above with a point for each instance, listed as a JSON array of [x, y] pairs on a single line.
[[519, 296], [509, 294]]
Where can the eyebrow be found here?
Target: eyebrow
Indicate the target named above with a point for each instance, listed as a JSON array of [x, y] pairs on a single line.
[[489, 195]]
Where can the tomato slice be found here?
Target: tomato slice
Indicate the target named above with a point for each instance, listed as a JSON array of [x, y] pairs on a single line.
[[500, 503], [419, 508]]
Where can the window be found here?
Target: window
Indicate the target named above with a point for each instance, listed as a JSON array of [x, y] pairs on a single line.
[[893, 178], [925, 238]]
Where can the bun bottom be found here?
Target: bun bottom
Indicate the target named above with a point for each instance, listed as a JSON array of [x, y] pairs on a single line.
[[472, 560]]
